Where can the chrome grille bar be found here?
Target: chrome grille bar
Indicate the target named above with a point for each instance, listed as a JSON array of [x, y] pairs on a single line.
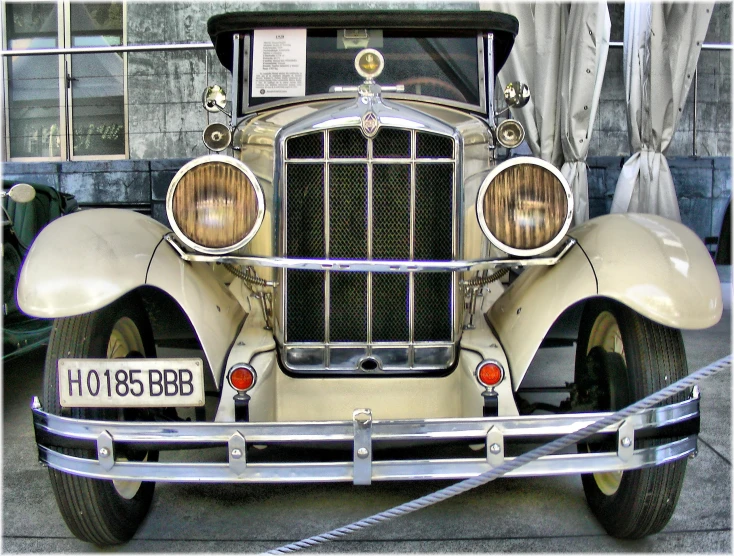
[[327, 250]]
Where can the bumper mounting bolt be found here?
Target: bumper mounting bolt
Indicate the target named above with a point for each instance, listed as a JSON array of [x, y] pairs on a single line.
[[363, 453], [495, 449], [626, 442], [236, 453], [104, 452]]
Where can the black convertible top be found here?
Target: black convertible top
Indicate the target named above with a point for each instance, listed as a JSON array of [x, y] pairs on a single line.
[[222, 27]]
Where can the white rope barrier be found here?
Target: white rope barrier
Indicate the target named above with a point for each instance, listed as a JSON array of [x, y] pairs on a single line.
[[492, 474]]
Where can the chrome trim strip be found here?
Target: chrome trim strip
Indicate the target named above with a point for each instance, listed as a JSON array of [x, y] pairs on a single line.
[[245, 95], [457, 231], [326, 137], [235, 77], [355, 265], [490, 80], [400, 470], [411, 276], [484, 99], [182, 432], [280, 228], [370, 235]]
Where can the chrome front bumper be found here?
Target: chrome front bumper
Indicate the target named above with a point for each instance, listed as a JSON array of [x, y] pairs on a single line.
[[363, 433]]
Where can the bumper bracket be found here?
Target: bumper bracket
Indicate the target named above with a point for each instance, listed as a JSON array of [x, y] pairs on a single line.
[[362, 419]]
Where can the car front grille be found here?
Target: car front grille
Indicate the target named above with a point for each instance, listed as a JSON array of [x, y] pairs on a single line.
[[387, 198]]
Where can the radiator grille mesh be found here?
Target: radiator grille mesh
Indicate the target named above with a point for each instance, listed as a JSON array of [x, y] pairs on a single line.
[[347, 211], [386, 198], [392, 143], [305, 306], [391, 211]]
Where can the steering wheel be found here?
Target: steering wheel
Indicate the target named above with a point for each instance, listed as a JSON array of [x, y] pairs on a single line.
[[454, 93]]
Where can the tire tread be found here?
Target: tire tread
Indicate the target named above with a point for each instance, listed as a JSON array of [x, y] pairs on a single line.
[[91, 508], [646, 498]]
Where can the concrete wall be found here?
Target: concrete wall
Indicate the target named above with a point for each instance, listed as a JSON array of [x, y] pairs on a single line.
[[703, 186], [166, 118], [164, 88]]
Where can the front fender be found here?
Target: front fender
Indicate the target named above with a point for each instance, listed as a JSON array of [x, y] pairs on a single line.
[[657, 267], [213, 310], [86, 260]]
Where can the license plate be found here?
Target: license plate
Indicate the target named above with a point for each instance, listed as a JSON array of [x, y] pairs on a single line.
[[131, 382]]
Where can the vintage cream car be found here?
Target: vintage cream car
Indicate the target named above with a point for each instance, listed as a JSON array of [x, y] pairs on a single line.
[[361, 270]]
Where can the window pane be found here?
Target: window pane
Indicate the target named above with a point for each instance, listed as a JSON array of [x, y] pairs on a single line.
[[97, 105], [33, 81]]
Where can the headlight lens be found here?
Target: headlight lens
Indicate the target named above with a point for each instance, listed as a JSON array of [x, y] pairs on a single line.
[[215, 204], [525, 206]]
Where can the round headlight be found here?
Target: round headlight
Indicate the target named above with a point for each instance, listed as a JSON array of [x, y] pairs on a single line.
[[215, 204], [525, 206]]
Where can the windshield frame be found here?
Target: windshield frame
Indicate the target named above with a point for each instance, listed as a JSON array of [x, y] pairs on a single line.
[[242, 108]]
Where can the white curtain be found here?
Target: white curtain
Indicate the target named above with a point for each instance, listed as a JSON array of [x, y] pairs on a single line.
[[661, 47], [582, 72], [560, 53]]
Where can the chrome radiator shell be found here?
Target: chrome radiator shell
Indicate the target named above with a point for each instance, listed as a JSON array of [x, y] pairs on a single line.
[[328, 164]]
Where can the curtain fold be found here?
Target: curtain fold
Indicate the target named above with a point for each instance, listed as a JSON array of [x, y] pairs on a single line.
[[584, 62], [560, 53], [662, 43]]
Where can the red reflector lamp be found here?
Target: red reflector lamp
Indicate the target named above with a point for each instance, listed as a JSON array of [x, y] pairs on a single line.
[[489, 373], [242, 377]]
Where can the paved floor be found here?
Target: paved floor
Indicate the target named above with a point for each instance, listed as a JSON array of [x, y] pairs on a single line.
[[510, 515]]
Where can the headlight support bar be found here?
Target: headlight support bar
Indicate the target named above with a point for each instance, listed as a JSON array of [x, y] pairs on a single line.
[[358, 265]]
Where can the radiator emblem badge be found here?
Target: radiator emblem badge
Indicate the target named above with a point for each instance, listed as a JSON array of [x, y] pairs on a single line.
[[370, 124]]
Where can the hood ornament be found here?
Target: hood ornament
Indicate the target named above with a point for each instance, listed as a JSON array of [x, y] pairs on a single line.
[[369, 63]]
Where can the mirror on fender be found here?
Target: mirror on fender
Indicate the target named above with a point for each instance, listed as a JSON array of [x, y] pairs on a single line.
[[517, 94], [214, 99]]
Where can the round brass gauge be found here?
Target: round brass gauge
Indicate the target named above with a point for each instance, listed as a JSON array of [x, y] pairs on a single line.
[[369, 63]]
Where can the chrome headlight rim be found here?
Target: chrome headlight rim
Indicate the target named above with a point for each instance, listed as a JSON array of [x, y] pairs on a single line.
[[496, 171], [260, 198]]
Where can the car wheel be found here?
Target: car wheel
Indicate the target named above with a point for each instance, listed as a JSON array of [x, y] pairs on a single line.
[[622, 357], [100, 511]]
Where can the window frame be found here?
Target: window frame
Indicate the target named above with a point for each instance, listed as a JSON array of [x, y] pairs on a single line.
[[64, 64]]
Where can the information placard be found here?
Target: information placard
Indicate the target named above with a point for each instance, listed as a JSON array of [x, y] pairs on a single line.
[[279, 63]]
